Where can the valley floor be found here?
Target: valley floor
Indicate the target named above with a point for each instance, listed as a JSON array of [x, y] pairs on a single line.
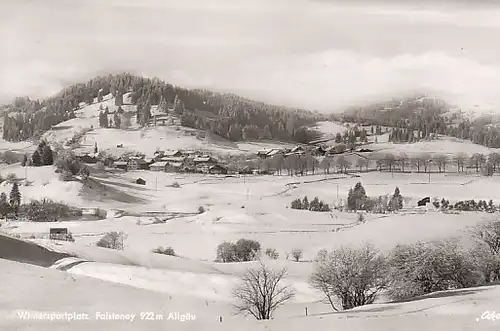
[[255, 207]]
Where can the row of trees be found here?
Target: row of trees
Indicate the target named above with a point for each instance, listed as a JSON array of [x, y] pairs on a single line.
[[424, 161], [315, 205]]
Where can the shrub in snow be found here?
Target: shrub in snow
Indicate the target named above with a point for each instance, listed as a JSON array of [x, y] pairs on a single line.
[[423, 268], [100, 213], [322, 255], [99, 166], [165, 251], [69, 237], [272, 253], [47, 210], [113, 240], [10, 178], [350, 277], [175, 185], [201, 210], [65, 176], [69, 163], [241, 251], [486, 254], [297, 254]]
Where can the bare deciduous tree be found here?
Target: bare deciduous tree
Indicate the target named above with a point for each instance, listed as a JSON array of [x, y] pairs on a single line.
[[362, 162], [342, 163], [426, 161], [260, 292], [353, 276], [403, 160], [297, 254], [326, 164], [460, 159], [113, 240], [441, 160]]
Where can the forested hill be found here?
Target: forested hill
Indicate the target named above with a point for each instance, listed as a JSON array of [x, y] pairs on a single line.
[[423, 117], [227, 115]]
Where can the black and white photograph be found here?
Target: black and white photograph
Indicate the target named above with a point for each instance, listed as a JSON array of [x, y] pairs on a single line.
[[250, 165]]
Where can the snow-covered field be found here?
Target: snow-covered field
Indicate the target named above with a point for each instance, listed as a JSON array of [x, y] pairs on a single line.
[[255, 207]]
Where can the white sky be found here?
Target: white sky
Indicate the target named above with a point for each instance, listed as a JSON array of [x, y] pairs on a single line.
[[314, 54]]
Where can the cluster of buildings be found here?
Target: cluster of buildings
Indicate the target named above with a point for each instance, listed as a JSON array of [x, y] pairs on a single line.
[[173, 161], [299, 150]]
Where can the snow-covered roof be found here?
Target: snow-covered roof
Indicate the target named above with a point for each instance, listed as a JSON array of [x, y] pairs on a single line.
[[202, 159], [171, 153], [274, 152], [158, 164], [175, 164], [117, 163], [173, 159]]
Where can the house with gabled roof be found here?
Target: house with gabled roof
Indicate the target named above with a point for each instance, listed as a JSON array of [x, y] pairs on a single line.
[[204, 160], [172, 153], [159, 166]]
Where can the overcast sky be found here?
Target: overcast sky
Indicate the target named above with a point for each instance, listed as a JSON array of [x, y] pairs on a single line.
[[319, 54]]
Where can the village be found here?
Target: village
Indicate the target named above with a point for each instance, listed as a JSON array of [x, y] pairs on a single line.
[[297, 160]]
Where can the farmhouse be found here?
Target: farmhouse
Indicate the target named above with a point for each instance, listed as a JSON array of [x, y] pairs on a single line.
[[275, 151], [173, 159], [319, 151], [158, 166], [174, 153], [297, 149], [263, 153], [173, 166], [217, 169], [121, 165], [87, 158], [137, 163], [204, 160]]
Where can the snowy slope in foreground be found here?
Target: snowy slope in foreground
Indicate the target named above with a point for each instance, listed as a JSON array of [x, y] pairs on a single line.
[[34, 289]]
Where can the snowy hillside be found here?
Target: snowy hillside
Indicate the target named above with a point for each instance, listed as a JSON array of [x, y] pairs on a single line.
[[457, 310], [144, 140]]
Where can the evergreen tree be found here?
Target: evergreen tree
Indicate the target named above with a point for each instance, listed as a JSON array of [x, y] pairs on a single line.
[[119, 99], [178, 106], [396, 202], [24, 161], [305, 203], [15, 198], [359, 196], [47, 155], [118, 121], [4, 205], [96, 150], [36, 158], [351, 205], [163, 105]]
